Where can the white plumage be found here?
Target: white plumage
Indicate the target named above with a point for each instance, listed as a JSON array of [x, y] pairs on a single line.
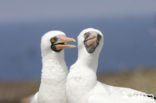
[[54, 69], [82, 85]]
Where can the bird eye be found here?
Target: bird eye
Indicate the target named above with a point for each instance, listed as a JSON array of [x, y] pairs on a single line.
[[85, 35], [52, 40]]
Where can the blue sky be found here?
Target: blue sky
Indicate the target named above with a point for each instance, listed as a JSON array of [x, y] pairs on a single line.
[[128, 27], [19, 10]]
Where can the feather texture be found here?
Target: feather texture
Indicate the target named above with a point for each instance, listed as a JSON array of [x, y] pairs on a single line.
[[82, 85], [54, 72]]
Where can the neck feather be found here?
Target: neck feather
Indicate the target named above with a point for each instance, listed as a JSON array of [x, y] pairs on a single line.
[[53, 66], [87, 59], [54, 72]]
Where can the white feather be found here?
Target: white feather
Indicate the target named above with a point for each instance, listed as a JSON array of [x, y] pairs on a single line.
[[82, 85], [54, 72]]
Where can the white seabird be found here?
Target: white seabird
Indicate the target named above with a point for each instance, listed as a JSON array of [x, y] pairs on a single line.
[[54, 69], [82, 85]]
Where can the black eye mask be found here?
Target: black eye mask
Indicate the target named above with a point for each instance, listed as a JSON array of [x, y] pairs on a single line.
[[91, 48], [53, 47]]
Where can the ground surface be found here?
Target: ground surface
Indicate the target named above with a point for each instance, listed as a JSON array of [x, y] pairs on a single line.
[[143, 80]]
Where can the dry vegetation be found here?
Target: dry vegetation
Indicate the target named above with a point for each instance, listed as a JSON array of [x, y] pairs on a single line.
[[143, 80]]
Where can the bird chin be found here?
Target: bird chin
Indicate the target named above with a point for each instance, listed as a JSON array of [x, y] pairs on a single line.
[[91, 48], [91, 44]]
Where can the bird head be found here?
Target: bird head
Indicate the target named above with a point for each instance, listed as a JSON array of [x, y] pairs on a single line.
[[91, 39], [55, 42]]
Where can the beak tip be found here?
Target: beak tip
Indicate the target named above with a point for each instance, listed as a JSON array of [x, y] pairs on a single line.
[[72, 46], [73, 40]]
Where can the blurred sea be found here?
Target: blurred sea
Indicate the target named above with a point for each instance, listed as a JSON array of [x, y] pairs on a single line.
[[129, 43]]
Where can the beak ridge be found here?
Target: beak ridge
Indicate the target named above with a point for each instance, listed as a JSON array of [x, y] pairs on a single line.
[[64, 40]]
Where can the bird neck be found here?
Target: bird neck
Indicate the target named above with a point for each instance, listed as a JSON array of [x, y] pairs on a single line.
[[53, 65], [82, 77], [53, 79], [89, 60]]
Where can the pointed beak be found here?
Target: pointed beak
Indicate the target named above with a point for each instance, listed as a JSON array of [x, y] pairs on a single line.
[[65, 46], [64, 39], [62, 42], [91, 40]]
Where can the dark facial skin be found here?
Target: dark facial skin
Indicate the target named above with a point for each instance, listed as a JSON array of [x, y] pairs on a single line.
[[91, 48], [53, 43]]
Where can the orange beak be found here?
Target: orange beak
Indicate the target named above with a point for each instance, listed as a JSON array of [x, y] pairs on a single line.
[[91, 40], [61, 44]]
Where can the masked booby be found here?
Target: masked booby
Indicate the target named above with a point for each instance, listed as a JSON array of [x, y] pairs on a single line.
[[82, 85], [54, 69]]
